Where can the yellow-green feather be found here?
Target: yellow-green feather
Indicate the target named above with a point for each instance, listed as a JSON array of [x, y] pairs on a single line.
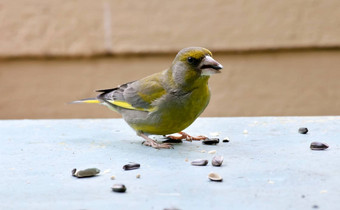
[[197, 54], [151, 88], [179, 116]]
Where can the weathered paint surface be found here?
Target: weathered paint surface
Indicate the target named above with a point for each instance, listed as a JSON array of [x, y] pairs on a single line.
[[271, 167]]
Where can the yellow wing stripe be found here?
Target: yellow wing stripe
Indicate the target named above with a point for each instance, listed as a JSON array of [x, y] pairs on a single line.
[[122, 104], [126, 105]]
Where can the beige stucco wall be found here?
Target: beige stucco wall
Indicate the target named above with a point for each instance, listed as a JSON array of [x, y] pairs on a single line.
[[88, 27], [281, 83], [280, 57]]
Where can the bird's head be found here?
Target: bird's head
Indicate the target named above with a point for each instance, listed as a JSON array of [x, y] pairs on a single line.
[[193, 63]]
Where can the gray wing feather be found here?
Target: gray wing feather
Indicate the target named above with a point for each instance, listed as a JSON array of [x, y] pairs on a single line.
[[126, 92]]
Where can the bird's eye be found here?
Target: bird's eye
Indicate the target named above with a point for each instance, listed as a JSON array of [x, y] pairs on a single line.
[[191, 59]]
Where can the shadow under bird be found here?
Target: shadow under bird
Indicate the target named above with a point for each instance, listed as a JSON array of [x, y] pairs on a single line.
[[166, 102]]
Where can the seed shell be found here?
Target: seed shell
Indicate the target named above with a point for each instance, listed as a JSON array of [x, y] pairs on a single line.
[[217, 160], [119, 188], [212, 152], [303, 130], [215, 177], [199, 162], [85, 173], [318, 146], [211, 141], [225, 140], [131, 166]]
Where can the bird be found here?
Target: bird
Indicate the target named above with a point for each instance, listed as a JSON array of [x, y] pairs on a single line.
[[166, 102]]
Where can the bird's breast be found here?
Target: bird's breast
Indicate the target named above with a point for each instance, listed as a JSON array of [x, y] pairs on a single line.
[[175, 112]]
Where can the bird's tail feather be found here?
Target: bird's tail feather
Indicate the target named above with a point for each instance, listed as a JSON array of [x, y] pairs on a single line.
[[87, 100]]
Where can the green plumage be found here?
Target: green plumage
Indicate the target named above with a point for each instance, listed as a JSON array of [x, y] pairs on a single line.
[[169, 101]]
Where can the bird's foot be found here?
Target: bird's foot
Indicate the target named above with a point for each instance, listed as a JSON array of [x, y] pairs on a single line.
[[187, 137], [157, 145], [152, 143]]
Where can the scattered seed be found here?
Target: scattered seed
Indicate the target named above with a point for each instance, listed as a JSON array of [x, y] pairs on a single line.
[[217, 160], [118, 188], [138, 176], [203, 151], [106, 171], [245, 132], [186, 160], [226, 139], [85, 173], [212, 152], [318, 146], [113, 177], [169, 140], [131, 166], [211, 141], [199, 162], [215, 177], [303, 130]]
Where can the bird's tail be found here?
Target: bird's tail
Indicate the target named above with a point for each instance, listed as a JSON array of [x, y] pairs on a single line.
[[87, 101]]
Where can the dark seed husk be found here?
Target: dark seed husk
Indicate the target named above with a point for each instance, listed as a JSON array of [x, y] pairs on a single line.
[[318, 146], [199, 162], [303, 130], [211, 141], [74, 171], [85, 173], [172, 141], [217, 160], [118, 188], [131, 166], [226, 140]]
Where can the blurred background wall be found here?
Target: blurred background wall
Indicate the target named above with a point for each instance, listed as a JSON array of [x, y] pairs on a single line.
[[280, 57]]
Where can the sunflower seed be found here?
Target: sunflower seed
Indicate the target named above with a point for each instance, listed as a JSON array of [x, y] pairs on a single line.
[[217, 160], [131, 166], [169, 140], [318, 146], [215, 177], [118, 188], [85, 173], [199, 162], [211, 141], [212, 152], [226, 139], [303, 130]]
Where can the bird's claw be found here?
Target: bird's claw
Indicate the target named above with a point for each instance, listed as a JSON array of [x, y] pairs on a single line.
[[187, 137], [156, 145]]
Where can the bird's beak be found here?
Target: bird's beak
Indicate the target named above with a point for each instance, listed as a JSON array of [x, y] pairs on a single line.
[[209, 66]]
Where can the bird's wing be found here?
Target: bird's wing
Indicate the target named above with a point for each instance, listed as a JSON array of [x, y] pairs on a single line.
[[137, 95]]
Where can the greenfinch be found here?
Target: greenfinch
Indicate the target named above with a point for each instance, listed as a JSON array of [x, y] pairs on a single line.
[[166, 102]]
